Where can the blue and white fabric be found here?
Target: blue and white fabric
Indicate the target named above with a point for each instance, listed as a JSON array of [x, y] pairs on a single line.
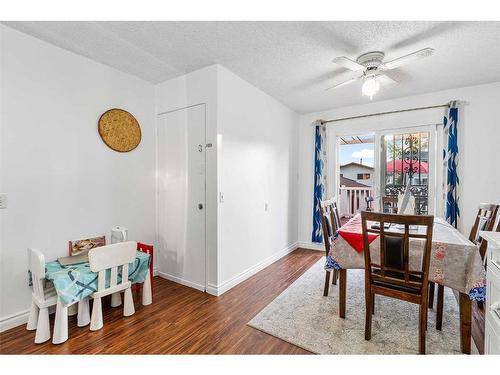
[[319, 178], [450, 164], [75, 282]]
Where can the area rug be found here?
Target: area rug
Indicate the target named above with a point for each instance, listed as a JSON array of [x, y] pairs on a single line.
[[302, 316]]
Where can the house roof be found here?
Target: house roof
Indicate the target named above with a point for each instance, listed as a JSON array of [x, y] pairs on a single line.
[[357, 165], [344, 181]]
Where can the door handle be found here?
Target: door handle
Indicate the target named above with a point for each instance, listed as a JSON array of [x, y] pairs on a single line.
[[200, 206]]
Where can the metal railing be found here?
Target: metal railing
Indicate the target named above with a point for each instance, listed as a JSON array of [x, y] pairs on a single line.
[[351, 200]]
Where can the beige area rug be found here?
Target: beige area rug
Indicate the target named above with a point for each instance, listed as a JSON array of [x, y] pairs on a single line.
[[302, 316]]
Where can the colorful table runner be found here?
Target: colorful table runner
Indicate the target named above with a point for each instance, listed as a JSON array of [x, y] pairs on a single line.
[[455, 261], [75, 282]]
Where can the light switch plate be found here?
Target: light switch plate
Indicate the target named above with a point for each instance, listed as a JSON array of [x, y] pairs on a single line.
[[3, 200]]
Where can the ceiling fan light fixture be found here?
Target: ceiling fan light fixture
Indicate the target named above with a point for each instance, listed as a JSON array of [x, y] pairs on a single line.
[[370, 87]]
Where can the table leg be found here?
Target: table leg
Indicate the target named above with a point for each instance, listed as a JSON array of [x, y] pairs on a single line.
[[83, 312], [147, 297], [116, 299], [61, 323], [342, 292], [72, 310], [465, 323]]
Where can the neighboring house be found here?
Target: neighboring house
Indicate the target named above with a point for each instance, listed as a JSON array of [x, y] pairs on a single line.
[[358, 173]]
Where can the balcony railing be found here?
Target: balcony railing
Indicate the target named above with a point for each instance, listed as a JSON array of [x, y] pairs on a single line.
[[352, 200]]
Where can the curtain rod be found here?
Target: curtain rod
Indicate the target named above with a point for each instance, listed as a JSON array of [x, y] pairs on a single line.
[[385, 113]]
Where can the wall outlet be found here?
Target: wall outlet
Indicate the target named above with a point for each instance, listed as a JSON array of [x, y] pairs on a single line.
[[3, 200]]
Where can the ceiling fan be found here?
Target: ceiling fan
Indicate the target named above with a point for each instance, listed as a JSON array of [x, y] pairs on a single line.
[[373, 70]]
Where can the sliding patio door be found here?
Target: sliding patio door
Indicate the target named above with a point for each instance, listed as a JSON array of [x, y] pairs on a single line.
[[395, 156]]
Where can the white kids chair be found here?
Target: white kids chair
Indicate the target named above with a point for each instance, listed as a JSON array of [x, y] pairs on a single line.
[[42, 298], [111, 257]]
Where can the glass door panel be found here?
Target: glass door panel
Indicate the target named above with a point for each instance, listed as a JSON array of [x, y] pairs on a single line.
[[405, 157]]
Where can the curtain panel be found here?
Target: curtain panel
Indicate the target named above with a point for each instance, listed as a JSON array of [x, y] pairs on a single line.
[[319, 178], [450, 164]]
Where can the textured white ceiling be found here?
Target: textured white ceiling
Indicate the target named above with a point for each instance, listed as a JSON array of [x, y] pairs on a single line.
[[289, 60]]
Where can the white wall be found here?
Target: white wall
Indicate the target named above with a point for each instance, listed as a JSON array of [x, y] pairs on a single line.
[[62, 181], [252, 162], [479, 136], [257, 166], [199, 87], [351, 171]]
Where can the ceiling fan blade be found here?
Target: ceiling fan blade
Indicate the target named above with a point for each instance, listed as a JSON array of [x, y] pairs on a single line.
[[343, 83], [396, 63], [386, 80], [348, 63]]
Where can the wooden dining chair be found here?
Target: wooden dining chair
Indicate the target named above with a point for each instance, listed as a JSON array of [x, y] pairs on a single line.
[[485, 220], [390, 205], [113, 257], [329, 225], [391, 275]]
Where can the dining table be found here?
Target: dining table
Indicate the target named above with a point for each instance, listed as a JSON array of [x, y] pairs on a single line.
[[74, 285], [455, 263]]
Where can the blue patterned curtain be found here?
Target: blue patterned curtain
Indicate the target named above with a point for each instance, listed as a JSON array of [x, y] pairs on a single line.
[[450, 164], [319, 178]]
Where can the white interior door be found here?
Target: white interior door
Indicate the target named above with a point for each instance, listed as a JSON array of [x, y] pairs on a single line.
[[181, 196]]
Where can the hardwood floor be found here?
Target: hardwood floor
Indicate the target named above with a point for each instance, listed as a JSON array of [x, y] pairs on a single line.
[[182, 320]]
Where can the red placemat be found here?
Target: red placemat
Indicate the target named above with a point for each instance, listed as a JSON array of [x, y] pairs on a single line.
[[352, 233]]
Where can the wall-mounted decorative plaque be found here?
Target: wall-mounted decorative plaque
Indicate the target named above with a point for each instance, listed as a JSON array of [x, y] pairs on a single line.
[[119, 130]]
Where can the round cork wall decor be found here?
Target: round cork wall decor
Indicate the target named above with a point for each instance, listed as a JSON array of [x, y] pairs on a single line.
[[119, 130]]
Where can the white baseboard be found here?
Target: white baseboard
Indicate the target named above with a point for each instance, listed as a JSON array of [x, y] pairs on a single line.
[[225, 286], [14, 320], [311, 246], [178, 280]]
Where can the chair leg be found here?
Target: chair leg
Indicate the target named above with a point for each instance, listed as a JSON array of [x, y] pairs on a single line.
[[369, 297], [83, 312], [128, 303], [432, 286], [342, 292], [33, 317], [421, 327], [327, 283], [43, 326], [147, 291], [335, 277], [96, 319], [60, 323], [439, 308], [116, 299]]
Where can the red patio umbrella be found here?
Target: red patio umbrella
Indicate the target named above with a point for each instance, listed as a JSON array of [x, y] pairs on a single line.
[[404, 166]]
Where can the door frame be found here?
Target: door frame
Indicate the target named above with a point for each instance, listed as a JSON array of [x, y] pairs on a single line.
[[157, 189]]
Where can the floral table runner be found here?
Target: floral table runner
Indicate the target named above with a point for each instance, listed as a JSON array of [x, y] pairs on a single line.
[[455, 261]]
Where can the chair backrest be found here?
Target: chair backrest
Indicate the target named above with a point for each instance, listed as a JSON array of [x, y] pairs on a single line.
[[390, 205], [111, 257], [78, 247], [393, 266], [485, 220], [36, 262], [330, 221], [148, 249]]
